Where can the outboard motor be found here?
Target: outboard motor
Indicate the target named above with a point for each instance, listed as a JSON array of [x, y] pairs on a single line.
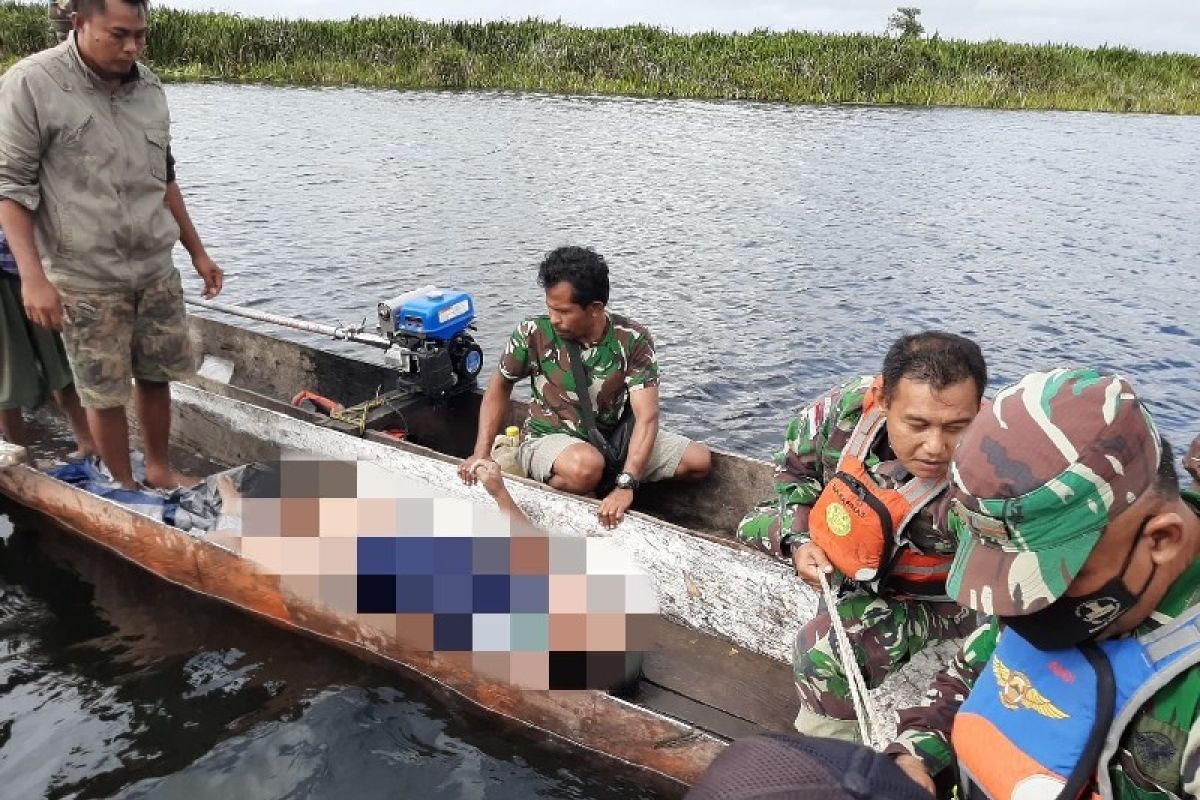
[[426, 343], [430, 346]]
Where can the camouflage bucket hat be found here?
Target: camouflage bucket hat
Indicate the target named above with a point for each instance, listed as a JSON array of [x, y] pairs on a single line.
[[1036, 478]]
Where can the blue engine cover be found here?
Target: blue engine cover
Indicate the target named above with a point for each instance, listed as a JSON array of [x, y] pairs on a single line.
[[438, 314]]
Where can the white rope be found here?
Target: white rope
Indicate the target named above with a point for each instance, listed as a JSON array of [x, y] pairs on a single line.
[[865, 706]]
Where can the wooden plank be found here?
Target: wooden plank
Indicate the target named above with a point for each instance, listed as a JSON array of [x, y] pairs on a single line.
[[721, 676], [716, 505], [693, 712]]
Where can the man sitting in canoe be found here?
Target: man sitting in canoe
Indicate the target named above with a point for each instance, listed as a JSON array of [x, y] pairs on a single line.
[[1077, 541], [861, 487], [571, 440]]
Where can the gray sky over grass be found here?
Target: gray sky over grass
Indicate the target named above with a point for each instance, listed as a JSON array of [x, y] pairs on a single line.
[[1144, 24]]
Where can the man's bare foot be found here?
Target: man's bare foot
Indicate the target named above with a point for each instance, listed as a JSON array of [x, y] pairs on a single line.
[[169, 480]]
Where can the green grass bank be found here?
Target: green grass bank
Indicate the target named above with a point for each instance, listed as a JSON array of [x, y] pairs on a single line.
[[404, 53]]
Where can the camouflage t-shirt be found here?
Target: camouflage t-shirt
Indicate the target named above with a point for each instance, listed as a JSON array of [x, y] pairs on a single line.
[[622, 362], [1161, 747]]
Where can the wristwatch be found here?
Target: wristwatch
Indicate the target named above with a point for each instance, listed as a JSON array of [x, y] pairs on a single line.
[[627, 481]]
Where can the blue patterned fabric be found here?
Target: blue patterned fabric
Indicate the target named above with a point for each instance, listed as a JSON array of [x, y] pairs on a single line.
[[8, 264]]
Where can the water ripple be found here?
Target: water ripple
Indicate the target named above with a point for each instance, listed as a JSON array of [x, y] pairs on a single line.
[[772, 249]]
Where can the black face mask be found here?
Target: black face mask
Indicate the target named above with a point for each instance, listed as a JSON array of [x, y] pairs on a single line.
[[1071, 621]]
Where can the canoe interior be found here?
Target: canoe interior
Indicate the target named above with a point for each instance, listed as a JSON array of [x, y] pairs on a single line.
[[691, 676], [277, 369], [719, 688]]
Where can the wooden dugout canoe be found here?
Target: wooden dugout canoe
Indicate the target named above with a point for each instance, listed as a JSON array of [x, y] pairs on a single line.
[[718, 670]]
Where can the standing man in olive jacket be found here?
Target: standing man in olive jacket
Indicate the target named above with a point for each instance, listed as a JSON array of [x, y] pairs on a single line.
[[89, 203]]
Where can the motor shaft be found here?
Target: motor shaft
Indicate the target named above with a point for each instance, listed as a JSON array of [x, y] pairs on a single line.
[[342, 333]]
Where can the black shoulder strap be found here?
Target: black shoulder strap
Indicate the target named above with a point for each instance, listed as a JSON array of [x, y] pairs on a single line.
[[583, 389], [1106, 695]]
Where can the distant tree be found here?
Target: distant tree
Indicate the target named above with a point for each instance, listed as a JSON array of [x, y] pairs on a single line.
[[904, 22]]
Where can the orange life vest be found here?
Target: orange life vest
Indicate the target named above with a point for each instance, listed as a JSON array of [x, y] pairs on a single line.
[[860, 524]]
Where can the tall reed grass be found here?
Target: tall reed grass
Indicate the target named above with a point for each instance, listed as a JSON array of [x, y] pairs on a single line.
[[533, 55]]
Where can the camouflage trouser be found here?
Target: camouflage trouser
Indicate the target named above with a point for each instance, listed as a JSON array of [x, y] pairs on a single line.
[[765, 524], [884, 632], [119, 334]]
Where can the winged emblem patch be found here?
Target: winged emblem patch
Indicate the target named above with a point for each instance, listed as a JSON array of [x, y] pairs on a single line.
[[1016, 690]]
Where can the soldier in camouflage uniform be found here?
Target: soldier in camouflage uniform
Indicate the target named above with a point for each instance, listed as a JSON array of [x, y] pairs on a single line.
[[622, 371], [1066, 501], [932, 384]]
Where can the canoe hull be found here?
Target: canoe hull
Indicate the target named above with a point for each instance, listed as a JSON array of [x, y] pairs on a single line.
[[657, 750]]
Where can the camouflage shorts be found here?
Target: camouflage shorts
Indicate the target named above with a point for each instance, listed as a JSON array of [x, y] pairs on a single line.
[[117, 335], [884, 632]]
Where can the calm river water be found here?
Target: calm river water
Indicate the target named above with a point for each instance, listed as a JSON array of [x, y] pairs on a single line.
[[772, 250]]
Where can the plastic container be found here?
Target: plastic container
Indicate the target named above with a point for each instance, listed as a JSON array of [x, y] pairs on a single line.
[[504, 451]]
